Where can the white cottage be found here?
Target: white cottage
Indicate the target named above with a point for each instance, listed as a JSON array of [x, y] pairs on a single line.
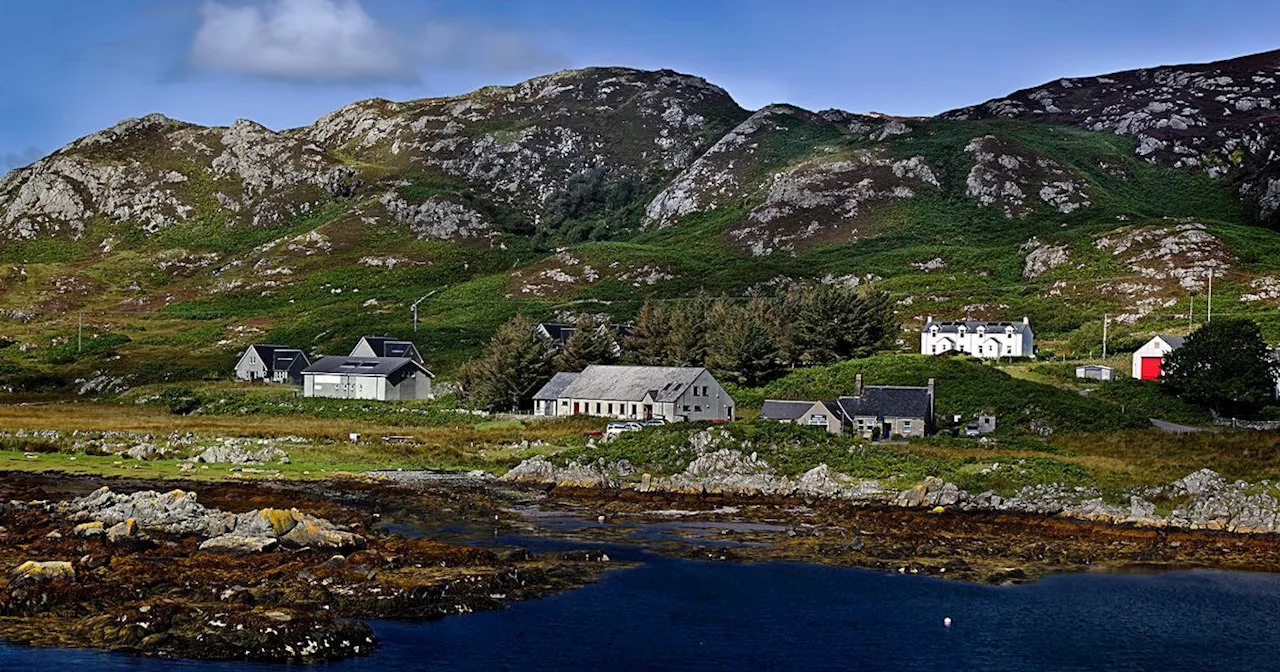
[[988, 340], [645, 392]]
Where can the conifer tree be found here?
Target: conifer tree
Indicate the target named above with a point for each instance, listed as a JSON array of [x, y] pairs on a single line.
[[745, 350], [647, 343], [514, 365]]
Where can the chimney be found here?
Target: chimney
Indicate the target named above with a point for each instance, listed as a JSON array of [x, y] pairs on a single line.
[[931, 387], [857, 385], [1025, 320]]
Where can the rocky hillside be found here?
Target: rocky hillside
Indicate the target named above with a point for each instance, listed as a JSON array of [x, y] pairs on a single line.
[[591, 189], [1223, 118]]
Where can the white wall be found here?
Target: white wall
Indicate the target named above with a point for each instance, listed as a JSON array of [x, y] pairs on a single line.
[[986, 344], [1155, 347]]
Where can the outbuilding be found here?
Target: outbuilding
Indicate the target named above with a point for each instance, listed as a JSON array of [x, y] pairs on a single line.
[[378, 378], [1148, 361], [1095, 372]]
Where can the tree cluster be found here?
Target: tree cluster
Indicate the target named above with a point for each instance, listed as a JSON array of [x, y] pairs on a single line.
[[748, 343], [752, 343], [1224, 366]]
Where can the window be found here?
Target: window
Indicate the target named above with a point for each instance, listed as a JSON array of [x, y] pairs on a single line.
[[633, 409], [695, 390], [818, 420], [906, 425], [697, 409], [610, 409], [564, 403], [597, 407], [686, 408]]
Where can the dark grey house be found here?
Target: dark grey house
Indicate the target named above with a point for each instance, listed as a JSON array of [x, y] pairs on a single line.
[[544, 401], [272, 363], [379, 378], [872, 412], [380, 346]]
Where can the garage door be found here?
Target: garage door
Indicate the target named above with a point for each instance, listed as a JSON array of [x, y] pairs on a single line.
[[1151, 367]]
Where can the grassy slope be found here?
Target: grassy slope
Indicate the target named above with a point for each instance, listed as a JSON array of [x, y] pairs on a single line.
[[175, 328]]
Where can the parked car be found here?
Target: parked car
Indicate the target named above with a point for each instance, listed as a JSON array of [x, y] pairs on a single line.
[[655, 422], [971, 429], [616, 428], [594, 434]]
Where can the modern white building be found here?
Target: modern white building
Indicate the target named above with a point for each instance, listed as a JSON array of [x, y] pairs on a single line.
[[379, 378], [988, 340], [1148, 361]]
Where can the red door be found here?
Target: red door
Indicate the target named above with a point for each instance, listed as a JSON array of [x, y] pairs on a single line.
[[575, 408], [1151, 367]]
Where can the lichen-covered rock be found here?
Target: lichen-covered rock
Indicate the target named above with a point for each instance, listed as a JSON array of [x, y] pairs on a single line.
[[50, 570], [1010, 176], [239, 544], [827, 200], [1043, 257]]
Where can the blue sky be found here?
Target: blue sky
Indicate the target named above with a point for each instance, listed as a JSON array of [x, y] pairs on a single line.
[[74, 66]]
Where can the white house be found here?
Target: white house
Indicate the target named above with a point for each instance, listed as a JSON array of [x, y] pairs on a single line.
[[1148, 361], [988, 340], [643, 392], [379, 378], [271, 363]]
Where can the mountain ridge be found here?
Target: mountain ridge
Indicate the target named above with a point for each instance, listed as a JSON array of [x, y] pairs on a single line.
[[587, 190]]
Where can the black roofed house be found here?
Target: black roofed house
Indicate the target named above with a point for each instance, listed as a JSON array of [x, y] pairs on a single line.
[[380, 346], [644, 392], [888, 412], [824, 414], [271, 363], [378, 378], [988, 340], [544, 401], [559, 334]]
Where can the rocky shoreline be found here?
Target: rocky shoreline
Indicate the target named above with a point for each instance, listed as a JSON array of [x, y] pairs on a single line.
[[1202, 500], [163, 574]]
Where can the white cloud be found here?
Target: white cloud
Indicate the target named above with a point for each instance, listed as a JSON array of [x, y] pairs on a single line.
[[310, 40], [337, 40]]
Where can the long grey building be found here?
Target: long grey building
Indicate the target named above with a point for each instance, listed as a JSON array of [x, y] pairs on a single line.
[[380, 378], [643, 392]]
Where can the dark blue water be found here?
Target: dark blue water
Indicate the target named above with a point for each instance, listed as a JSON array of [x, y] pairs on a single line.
[[678, 614]]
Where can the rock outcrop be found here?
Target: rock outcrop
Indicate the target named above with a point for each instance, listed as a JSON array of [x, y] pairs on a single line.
[[178, 513]]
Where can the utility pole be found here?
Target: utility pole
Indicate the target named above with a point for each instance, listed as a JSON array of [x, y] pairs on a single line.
[[1105, 322], [1209, 314], [1191, 311], [79, 330], [414, 308]]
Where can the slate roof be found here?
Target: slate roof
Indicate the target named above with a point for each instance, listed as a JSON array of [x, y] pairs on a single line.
[[555, 387], [631, 383], [776, 409], [266, 351], [887, 402], [562, 332], [284, 358], [953, 326], [389, 347], [363, 366], [1174, 342]]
